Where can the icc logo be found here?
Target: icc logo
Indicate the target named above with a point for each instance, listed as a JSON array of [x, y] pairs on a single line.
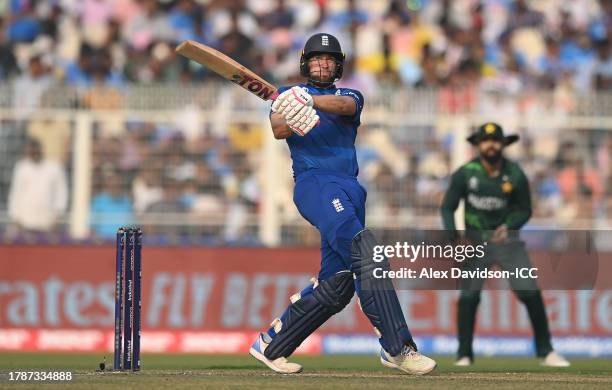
[[473, 183]]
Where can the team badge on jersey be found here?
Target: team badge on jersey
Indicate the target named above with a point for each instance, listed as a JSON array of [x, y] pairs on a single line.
[[337, 205], [506, 185]]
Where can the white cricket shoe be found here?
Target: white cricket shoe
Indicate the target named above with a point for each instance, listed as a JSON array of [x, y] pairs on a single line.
[[280, 365], [464, 361], [409, 361], [553, 359]]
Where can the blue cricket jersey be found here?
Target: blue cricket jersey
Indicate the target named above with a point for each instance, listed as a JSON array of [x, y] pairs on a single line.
[[331, 144]]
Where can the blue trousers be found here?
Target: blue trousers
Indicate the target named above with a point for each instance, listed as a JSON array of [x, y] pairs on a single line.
[[335, 205]]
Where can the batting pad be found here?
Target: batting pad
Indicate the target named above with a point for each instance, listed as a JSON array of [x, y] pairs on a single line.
[[377, 297], [310, 311]]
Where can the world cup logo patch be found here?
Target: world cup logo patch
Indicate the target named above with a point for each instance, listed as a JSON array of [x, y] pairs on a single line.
[[473, 183]]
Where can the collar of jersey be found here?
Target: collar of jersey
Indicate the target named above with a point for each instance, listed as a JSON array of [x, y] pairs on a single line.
[[333, 86], [502, 168]]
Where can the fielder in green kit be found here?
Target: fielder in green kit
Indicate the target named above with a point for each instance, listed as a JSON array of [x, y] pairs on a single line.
[[497, 204]]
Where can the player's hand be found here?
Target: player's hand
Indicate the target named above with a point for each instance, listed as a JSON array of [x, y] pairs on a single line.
[[292, 101], [303, 122], [500, 234], [301, 95], [281, 101]]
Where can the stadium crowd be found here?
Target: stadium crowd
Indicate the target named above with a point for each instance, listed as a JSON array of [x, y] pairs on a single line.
[[484, 57], [506, 43], [416, 42]]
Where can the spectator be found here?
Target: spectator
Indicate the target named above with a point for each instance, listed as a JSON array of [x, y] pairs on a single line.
[[53, 135], [8, 62], [24, 26], [577, 181], [236, 44], [346, 17], [548, 194], [184, 19], [172, 205], [281, 17], [94, 67], [549, 65], [603, 66], [171, 200], [219, 160], [209, 192], [243, 137], [149, 25], [206, 181], [111, 208], [31, 86], [38, 196], [189, 195], [523, 16], [146, 188], [242, 192], [50, 21], [95, 12], [178, 164]]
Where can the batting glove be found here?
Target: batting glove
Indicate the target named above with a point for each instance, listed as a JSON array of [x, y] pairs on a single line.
[[303, 122], [291, 101], [281, 101]]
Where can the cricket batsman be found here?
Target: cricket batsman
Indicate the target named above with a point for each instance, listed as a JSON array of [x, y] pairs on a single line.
[[319, 123], [497, 204]]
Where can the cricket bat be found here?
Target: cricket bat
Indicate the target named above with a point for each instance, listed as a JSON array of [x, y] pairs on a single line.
[[227, 68]]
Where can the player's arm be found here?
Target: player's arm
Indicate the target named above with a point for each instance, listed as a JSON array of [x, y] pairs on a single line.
[[520, 202], [279, 126], [340, 105], [453, 195]]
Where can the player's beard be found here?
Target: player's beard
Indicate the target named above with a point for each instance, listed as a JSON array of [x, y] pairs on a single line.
[[322, 77], [492, 155]]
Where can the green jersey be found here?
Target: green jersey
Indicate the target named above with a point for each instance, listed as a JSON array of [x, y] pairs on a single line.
[[489, 201]]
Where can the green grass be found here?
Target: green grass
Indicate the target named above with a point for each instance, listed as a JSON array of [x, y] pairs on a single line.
[[346, 372]]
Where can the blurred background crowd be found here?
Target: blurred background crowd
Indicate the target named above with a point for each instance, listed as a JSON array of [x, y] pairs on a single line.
[[507, 44], [532, 65]]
